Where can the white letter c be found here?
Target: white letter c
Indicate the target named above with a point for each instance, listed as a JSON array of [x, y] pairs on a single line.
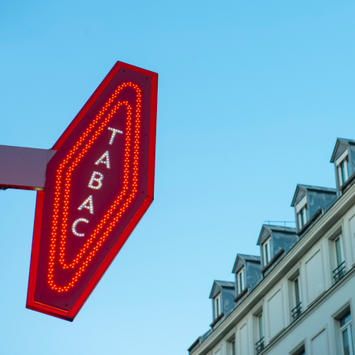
[[73, 228]]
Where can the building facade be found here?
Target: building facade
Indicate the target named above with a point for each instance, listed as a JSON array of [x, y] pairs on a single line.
[[298, 296]]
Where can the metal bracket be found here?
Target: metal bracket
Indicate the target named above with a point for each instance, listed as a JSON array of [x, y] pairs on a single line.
[[23, 168]]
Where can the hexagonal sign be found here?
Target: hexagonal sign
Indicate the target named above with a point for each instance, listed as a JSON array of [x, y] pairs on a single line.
[[98, 185]]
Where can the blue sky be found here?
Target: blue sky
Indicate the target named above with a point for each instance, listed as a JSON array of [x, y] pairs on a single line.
[[252, 96]]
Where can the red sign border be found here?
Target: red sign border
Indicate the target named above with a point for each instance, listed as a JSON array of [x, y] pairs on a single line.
[[70, 315]]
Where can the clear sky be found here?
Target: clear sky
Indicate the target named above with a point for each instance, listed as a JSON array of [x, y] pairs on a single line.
[[252, 96]]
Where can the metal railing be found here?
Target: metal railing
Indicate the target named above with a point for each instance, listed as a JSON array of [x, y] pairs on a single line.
[[284, 222], [259, 346], [339, 272], [297, 311]]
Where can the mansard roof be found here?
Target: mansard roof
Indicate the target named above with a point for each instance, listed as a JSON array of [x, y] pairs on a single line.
[[218, 285], [242, 258], [340, 146], [267, 229], [301, 191]]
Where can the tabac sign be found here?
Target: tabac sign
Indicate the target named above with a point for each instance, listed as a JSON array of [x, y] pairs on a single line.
[[98, 185]]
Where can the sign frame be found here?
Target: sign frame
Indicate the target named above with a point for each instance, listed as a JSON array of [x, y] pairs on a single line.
[[70, 314]]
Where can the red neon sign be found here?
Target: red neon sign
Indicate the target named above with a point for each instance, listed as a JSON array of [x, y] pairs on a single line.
[[98, 185]]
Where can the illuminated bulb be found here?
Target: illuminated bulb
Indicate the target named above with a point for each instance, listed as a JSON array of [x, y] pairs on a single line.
[[68, 181]]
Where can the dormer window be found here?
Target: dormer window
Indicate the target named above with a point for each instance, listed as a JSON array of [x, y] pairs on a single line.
[[217, 306], [344, 170], [302, 212], [343, 167], [303, 216], [240, 280], [267, 251]]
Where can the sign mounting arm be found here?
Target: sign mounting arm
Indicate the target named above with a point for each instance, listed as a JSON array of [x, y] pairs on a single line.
[[23, 168]]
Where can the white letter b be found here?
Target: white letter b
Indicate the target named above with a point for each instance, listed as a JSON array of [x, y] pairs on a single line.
[[97, 177]]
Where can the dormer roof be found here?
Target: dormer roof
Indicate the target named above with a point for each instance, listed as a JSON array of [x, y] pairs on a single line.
[[241, 259], [218, 285], [301, 191], [267, 230], [340, 146]]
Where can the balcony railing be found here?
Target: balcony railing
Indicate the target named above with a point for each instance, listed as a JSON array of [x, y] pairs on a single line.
[[259, 346], [339, 272], [297, 311]]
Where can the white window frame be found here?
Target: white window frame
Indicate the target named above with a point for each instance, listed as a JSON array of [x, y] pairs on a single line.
[[301, 210], [217, 310], [266, 246], [347, 328], [240, 286], [303, 216], [343, 159]]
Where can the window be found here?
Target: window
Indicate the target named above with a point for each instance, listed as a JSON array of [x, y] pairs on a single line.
[[299, 351], [346, 331], [261, 328], [217, 306], [302, 212], [343, 171], [297, 310], [343, 167], [232, 347], [339, 271], [303, 216], [267, 251], [240, 280], [259, 345]]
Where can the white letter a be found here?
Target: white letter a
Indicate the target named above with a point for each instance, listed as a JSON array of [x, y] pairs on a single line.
[[87, 204], [105, 159]]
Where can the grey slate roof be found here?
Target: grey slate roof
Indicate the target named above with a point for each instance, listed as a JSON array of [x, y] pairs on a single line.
[[268, 229], [218, 285], [244, 257], [301, 187], [338, 145]]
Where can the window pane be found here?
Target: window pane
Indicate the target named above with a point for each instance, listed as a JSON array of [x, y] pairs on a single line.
[[345, 319], [233, 347], [302, 219], [343, 172], [297, 292], [338, 252], [299, 214], [241, 281], [266, 253], [261, 330], [346, 342], [304, 212], [348, 165]]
